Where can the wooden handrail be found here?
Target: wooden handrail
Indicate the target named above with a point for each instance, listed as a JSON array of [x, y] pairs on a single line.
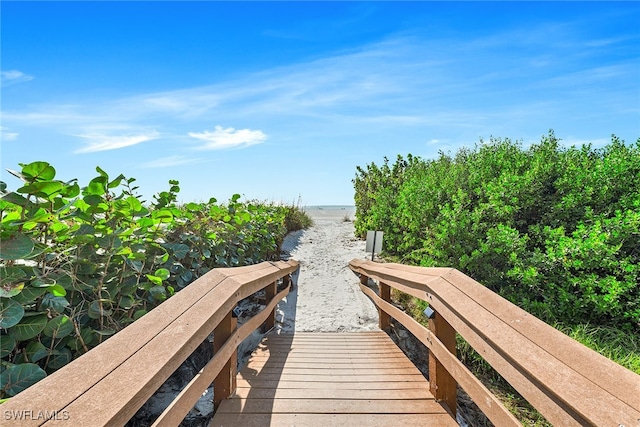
[[107, 385], [568, 383]]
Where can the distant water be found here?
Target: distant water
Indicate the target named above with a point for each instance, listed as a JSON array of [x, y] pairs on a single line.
[[331, 207], [331, 212]]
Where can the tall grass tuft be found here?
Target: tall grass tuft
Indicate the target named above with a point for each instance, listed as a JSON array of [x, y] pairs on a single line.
[[619, 346], [296, 218]]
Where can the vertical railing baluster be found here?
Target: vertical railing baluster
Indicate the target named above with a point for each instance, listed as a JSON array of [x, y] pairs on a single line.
[[441, 383], [385, 319], [270, 292], [225, 383]]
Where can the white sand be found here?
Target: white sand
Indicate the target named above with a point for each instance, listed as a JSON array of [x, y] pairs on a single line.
[[326, 295]]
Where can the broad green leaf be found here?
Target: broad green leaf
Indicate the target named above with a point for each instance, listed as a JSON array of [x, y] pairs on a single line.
[[11, 313], [97, 186], [10, 275], [59, 358], [194, 207], [57, 290], [110, 241], [85, 229], [11, 291], [64, 280], [164, 215], [19, 377], [58, 304], [71, 190], [124, 251], [28, 327], [16, 199], [187, 276], [38, 171], [17, 247], [126, 302], [134, 204], [179, 250], [138, 314], [59, 327], [102, 172], [135, 265], [116, 181], [7, 344], [29, 294], [155, 280], [36, 351], [96, 310], [86, 337], [162, 273], [44, 189], [158, 293]]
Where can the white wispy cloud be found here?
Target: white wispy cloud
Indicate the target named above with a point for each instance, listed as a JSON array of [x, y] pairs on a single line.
[[11, 77], [5, 135], [228, 138], [406, 81], [101, 142], [169, 161]]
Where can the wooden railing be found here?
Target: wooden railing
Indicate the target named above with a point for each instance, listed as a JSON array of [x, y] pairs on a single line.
[[569, 384], [108, 384]]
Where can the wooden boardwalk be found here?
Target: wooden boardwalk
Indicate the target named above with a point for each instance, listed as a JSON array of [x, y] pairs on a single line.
[[331, 379]]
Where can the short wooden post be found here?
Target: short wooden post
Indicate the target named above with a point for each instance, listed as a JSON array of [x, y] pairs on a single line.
[[270, 292], [385, 319], [225, 383], [441, 383]]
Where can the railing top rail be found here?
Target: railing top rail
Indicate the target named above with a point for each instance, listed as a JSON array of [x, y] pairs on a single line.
[[562, 378], [108, 384]]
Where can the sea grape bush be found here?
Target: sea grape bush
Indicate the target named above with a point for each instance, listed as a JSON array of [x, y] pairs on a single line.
[[77, 264], [555, 230]]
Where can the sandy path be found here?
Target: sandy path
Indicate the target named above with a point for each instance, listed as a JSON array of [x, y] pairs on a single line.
[[326, 296]]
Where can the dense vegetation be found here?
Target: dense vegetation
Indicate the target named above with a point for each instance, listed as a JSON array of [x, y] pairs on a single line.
[[555, 230], [78, 264]]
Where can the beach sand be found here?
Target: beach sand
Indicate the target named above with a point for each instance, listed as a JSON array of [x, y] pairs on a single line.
[[326, 295]]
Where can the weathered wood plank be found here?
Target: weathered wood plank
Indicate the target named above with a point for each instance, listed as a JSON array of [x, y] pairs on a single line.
[[324, 420], [355, 385], [330, 406], [311, 376], [260, 364], [251, 371], [379, 385], [366, 394]]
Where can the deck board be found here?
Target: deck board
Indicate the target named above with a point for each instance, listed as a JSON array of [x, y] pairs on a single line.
[[320, 379]]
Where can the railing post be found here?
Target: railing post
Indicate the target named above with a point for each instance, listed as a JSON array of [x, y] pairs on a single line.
[[270, 292], [225, 383], [441, 383], [385, 294]]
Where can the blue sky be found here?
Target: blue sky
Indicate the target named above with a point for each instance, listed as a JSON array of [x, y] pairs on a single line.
[[282, 100]]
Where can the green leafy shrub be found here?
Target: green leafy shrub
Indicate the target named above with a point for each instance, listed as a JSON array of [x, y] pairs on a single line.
[[555, 230], [79, 264]]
